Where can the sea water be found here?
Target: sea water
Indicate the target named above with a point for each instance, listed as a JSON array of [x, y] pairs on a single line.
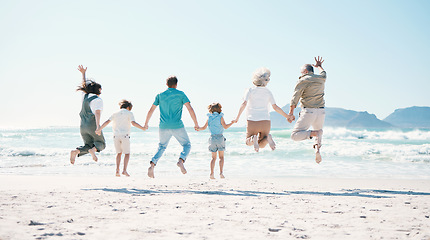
[[347, 153]]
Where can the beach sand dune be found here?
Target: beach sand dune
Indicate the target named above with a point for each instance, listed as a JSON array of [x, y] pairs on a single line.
[[55, 207]]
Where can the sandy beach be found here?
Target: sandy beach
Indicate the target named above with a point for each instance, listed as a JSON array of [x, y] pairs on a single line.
[[77, 207]]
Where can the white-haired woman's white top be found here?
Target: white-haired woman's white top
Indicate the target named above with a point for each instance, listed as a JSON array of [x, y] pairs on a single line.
[[259, 100]]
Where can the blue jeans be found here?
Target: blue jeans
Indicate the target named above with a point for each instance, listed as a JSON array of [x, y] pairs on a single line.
[[165, 134]]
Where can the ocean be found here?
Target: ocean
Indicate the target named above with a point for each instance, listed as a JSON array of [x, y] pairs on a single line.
[[347, 153]]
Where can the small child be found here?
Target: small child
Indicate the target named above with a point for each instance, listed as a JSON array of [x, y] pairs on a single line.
[[121, 133], [216, 125]]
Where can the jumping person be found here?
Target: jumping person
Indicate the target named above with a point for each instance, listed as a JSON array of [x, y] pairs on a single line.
[[216, 125], [310, 91], [257, 101], [92, 106], [122, 121], [171, 102]]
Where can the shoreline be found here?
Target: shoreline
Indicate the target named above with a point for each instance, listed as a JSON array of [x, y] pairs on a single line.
[[98, 207]]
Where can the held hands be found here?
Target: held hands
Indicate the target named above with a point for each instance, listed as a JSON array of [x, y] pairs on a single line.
[[291, 118], [145, 127], [318, 62], [98, 131], [197, 128]]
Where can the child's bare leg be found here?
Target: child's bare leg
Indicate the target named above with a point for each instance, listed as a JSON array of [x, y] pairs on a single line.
[[221, 163], [118, 162], [126, 159], [213, 165], [92, 151], [151, 170], [73, 155]]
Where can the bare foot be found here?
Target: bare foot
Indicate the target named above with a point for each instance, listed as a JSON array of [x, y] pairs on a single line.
[[180, 164], [221, 175], [212, 176], [255, 141], [117, 174], [125, 173], [73, 155], [92, 151], [318, 157], [271, 142], [151, 171]]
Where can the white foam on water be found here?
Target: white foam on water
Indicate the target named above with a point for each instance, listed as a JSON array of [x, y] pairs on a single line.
[[346, 153]]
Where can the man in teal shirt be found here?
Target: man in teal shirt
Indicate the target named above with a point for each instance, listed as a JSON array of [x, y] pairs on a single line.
[[171, 102]]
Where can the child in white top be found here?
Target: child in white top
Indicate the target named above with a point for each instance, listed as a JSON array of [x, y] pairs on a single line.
[[122, 121], [216, 125]]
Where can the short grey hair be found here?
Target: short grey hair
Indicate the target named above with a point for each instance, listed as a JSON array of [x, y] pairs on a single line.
[[307, 67], [261, 77]]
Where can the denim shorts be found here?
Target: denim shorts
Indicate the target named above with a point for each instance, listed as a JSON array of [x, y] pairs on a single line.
[[217, 143]]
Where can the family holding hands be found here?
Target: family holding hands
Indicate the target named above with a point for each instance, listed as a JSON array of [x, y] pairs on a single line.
[[309, 91]]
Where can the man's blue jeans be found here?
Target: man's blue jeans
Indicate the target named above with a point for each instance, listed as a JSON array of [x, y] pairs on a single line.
[[180, 134]]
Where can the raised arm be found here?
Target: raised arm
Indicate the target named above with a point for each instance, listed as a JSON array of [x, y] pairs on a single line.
[[83, 71], [242, 107], [225, 126], [148, 116], [318, 63], [192, 114], [99, 129]]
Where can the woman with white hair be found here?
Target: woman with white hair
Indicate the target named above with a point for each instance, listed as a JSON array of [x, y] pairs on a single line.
[[257, 100]]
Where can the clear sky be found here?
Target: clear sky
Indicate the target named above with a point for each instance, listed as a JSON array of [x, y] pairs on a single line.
[[376, 54]]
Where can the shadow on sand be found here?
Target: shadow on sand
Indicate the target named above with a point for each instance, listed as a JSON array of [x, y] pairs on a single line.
[[366, 193]]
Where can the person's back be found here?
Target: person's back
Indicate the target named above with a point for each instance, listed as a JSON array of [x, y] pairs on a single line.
[[214, 123], [121, 122], [259, 101], [171, 103], [310, 88]]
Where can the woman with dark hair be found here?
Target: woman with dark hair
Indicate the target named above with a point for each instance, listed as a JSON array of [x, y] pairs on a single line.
[[92, 106]]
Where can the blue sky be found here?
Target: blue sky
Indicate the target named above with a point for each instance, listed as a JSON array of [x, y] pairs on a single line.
[[376, 54]]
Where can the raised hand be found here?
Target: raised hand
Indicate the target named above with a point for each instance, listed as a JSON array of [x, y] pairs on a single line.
[[318, 62], [82, 69]]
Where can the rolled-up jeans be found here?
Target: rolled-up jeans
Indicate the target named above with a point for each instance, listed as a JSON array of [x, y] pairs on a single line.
[[180, 134], [308, 117]]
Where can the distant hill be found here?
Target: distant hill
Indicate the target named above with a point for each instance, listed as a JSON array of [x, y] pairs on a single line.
[[335, 117], [411, 117]]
